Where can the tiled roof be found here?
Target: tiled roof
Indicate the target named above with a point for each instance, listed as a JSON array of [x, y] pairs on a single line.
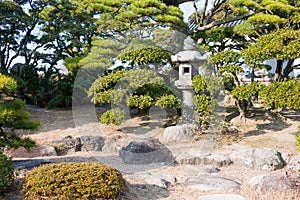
[[194, 26]]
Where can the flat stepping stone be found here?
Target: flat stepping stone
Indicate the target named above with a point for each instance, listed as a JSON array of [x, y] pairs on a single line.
[[211, 183], [160, 180], [221, 197], [198, 157], [270, 183]]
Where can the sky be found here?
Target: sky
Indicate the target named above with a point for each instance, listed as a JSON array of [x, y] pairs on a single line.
[[188, 8]]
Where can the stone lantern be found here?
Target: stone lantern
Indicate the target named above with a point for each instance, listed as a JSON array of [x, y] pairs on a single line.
[[189, 61]]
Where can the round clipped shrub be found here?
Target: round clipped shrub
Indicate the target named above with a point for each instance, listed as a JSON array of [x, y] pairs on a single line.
[[73, 181], [114, 116], [6, 172]]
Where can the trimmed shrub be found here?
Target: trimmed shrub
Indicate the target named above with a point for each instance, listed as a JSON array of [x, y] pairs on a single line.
[[6, 172], [113, 116], [73, 181], [281, 95], [169, 101]]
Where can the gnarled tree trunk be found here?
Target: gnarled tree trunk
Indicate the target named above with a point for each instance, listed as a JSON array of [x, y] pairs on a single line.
[[278, 71]]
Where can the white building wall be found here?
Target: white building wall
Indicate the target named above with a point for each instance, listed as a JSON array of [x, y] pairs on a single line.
[[295, 72]]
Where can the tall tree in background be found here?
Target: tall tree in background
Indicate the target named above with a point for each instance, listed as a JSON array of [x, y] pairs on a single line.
[[67, 31], [14, 22], [123, 21]]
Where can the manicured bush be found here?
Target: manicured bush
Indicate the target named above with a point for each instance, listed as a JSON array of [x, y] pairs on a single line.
[[6, 172], [114, 116], [74, 181], [140, 101], [169, 101], [138, 88], [281, 95]]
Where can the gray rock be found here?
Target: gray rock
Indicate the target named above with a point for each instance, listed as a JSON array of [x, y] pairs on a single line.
[[211, 183], [286, 157], [293, 167], [113, 144], [29, 164], [293, 162], [181, 132], [218, 159], [260, 158], [145, 151], [38, 151], [221, 197], [243, 156], [68, 145], [160, 180], [192, 157], [268, 159], [92, 143], [270, 183], [198, 157]]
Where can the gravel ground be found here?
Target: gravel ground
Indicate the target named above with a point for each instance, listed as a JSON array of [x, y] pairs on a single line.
[[258, 133]]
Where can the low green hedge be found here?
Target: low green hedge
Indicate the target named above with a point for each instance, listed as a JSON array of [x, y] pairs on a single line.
[[73, 181]]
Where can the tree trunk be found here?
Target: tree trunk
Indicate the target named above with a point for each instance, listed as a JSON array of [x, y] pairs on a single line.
[[252, 75], [236, 79], [278, 72], [288, 69], [242, 106]]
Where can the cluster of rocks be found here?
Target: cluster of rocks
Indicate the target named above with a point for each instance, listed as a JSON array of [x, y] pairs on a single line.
[[68, 145], [210, 180], [150, 150]]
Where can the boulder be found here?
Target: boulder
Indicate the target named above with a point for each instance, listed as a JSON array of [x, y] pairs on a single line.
[[293, 167], [293, 162], [218, 159], [198, 157], [92, 143], [221, 197], [270, 183], [181, 132], [192, 157], [211, 183], [259, 158], [160, 180], [113, 144], [39, 151], [68, 145], [268, 159], [243, 156], [145, 151]]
